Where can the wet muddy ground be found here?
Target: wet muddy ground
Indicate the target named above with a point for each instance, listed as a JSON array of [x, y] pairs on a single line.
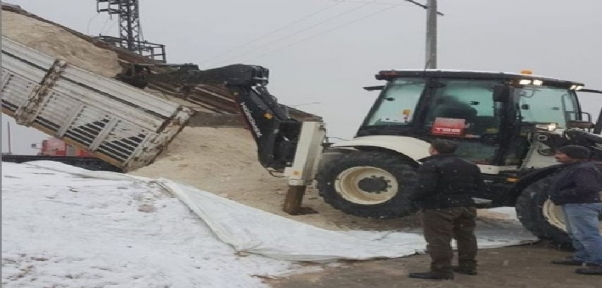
[[521, 266]]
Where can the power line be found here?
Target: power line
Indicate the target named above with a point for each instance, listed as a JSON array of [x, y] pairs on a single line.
[[374, 3], [329, 30], [105, 25], [272, 32], [305, 29], [90, 22], [112, 25]]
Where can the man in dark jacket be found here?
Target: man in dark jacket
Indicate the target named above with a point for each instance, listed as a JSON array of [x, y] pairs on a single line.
[[447, 184], [577, 190]]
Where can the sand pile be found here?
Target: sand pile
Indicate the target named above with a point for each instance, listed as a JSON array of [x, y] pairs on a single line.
[[220, 160], [59, 43]]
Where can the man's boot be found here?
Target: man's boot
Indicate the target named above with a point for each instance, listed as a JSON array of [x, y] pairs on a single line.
[[465, 270], [433, 275], [465, 266], [591, 270]]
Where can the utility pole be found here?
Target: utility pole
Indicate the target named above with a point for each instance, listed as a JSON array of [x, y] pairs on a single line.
[[431, 34]]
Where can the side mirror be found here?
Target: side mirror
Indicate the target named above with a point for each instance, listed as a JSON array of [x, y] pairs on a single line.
[[501, 93], [584, 115], [580, 124], [589, 116]]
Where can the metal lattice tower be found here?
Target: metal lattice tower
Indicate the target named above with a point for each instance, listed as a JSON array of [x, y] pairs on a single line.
[[130, 31]]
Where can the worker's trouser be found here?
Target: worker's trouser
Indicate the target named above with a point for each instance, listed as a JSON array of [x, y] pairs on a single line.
[[582, 223], [440, 226]]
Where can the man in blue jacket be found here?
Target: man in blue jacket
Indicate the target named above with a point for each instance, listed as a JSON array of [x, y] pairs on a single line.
[[577, 190]]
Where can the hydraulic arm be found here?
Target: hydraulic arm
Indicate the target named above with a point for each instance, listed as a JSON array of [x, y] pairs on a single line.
[[274, 131]]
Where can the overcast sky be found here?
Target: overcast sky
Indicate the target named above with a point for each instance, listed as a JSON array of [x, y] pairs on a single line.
[[322, 59]]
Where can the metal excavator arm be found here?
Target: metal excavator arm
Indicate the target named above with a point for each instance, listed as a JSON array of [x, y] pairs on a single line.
[[274, 131]]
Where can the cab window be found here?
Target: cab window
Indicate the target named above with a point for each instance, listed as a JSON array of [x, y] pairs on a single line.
[[397, 103]]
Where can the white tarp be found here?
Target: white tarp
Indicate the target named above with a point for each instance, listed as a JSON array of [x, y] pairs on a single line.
[[254, 231], [62, 230]]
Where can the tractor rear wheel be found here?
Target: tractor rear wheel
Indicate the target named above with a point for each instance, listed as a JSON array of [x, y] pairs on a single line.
[[369, 184], [540, 216]]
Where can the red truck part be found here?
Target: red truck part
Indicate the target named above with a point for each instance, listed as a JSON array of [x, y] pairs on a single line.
[[56, 147]]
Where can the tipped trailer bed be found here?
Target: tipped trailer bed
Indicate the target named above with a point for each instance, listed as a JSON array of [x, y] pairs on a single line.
[[120, 124]]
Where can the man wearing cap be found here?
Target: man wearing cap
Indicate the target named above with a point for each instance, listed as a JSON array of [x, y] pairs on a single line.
[[446, 185], [577, 190]]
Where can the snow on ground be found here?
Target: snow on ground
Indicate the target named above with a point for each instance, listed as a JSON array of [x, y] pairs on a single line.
[[61, 230], [68, 227]]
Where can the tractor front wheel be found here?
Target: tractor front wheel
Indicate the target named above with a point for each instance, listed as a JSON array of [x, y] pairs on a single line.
[[369, 184]]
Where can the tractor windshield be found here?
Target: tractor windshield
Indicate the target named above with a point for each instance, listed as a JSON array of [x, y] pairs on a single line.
[[541, 104], [397, 104]]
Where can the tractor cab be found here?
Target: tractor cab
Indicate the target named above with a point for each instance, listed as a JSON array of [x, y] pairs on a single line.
[[490, 114]]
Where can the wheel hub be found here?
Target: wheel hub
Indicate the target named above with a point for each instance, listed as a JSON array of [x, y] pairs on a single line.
[[555, 216], [373, 184], [366, 185]]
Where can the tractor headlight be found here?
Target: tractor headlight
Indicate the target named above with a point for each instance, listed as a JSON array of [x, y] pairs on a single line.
[[548, 127]]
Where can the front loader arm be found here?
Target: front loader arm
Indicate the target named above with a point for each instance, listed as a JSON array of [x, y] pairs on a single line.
[[274, 131]]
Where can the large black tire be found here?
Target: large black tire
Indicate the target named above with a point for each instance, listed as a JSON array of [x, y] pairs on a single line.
[[533, 210], [525, 209], [401, 174]]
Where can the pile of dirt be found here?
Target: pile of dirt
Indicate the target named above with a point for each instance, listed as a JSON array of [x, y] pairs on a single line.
[[57, 42], [224, 161]]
